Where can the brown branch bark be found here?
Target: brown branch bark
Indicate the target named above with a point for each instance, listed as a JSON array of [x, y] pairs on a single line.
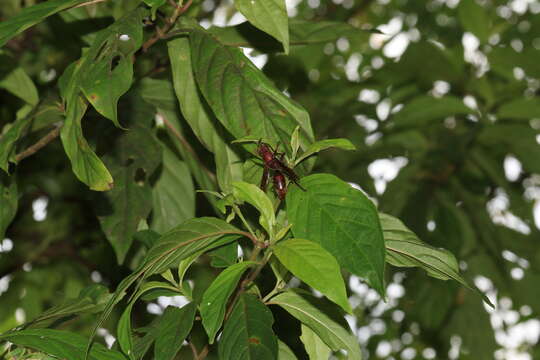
[[41, 143]]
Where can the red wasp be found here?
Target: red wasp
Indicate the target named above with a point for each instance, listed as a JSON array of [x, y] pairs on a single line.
[[274, 161]]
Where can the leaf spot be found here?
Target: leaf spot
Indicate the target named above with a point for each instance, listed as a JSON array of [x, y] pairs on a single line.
[[254, 340], [93, 96]]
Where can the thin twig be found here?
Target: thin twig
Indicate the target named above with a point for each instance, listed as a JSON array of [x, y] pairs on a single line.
[[41, 143], [162, 32], [194, 351]]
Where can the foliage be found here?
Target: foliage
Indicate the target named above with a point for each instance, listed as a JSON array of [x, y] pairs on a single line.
[[152, 188]]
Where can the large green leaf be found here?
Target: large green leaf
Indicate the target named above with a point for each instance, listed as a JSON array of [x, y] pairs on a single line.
[[31, 16], [248, 332], [404, 249], [215, 298], [191, 237], [424, 110], [252, 194], [199, 117], [331, 332], [315, 347], [61, 344], [173, 194], [343, 221], [9, 198], [315, 266], [133, 153], [173, 328], [268, 15], [241, 97]]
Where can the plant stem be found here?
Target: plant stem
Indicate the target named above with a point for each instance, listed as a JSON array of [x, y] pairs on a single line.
[[41, 143]]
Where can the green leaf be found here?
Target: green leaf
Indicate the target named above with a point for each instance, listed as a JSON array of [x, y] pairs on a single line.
[[314, 148], [133, 152], [107, 45], [102, 80], [32, 15], [315, 347], [191, 237], [331, 332], [474, 18], [85, 163], [199, 117], [173, 328], [315, 266], [284, 352], [60, 344], [255, 196], [215, 298], [91, 300], [224, 256], [248, 332], [343, 221], [424, 110], [9, 139], [268, 15], [241, 97], [123, 331], [17, 82], [520, 109], [173, 194], [154, 4], [404, 249]]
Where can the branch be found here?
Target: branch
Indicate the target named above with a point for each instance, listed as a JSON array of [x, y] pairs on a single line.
[[161, 33], [41, 143]]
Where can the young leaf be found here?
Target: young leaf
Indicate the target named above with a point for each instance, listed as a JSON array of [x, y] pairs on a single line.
[[404, 249], [173, 328], [198, 115], [215, 298], [268, 15], [241, 97], [314, 148], [248, 332], [315, 266], [173, 194], [315, 347], [192, 236], [60, 344], [343, 221], [331, 332], [256, 197], [32, 15]]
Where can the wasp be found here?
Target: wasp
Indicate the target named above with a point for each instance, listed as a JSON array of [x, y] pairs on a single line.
[[274, 162]]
